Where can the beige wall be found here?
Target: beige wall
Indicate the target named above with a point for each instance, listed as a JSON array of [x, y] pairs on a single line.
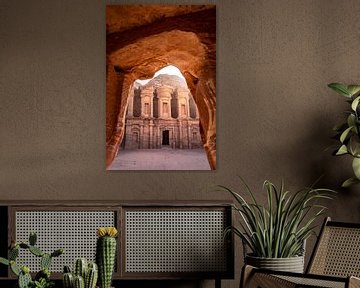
[[275, 113]]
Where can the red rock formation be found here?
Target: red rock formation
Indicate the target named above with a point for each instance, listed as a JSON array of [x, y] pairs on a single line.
[[150, 38]]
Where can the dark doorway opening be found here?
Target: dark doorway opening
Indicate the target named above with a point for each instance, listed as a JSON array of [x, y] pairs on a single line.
[[165, 138]]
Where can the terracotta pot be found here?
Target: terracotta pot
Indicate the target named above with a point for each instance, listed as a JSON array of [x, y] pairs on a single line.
[[291, 264]]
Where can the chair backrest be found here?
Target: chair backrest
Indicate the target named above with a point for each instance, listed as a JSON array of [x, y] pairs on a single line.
[[337, 251]]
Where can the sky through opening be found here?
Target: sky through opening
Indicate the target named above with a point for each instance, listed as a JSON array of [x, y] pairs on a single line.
[[169, 70]]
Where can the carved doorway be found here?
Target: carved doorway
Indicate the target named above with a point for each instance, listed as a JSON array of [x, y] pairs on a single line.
[[165, 137]]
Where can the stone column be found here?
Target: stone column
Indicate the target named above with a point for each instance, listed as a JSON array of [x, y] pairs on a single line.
[[151, 105], [130, 107], [151, 138], [147, 95], [183, 98], [188, 105], [164, 96], [179, 106], [158, 144], [180, 134], [141, 136], [189, 135], [128, 140]]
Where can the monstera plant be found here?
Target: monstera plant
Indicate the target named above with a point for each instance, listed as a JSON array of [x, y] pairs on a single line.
[[348, 133]]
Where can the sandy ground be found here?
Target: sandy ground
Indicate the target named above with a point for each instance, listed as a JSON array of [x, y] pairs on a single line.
[[161, 159]]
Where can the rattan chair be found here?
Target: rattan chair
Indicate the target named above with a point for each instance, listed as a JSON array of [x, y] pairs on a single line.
[[334, 263]]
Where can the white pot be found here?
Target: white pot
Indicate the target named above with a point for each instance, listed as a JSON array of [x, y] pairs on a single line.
[[291, 264]]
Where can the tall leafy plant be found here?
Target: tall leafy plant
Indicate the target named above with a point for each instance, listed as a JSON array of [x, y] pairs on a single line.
[[348, 132], [279, 229]]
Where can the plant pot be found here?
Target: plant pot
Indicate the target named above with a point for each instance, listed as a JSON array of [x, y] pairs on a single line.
[[291, 264]]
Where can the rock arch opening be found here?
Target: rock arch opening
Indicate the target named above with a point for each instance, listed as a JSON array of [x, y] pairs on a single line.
[[158, 106]]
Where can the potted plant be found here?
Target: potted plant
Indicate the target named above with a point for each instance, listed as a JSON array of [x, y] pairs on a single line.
[[348, 132], [42, 278], [276, 233], [106, 254], [84, 274]]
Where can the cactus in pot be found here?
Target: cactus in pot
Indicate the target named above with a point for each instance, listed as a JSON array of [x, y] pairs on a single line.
[[79, 282], [68, 278], [106, 254], [91, 276], [81, 266], [42, 278], [85, 275], [25, 279]]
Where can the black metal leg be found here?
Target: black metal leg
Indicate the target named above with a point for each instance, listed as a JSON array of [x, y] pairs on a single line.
[[217, 283]]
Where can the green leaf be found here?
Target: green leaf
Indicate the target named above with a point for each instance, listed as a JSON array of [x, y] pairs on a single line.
[[353, 89], [340, 88], [13, 253], [279, 228], [45, 261], [355, 103], [356, 167], [36, 251], [4, 261], [345, 134], [349, 182], [351, 120], [354, 145], [342, 150], [14, 268]]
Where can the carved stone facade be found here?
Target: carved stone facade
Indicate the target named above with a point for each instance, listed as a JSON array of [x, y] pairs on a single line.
[[162, 115]]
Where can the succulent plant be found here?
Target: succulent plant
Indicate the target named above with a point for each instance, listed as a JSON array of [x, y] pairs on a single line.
[[42, 283], [42, 278], [81, 266], [24, 277], [68, 278], [106, 254], [85, 275], [91, 276], [79, 282]]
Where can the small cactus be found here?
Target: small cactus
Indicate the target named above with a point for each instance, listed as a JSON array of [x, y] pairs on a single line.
[[24, 277], [84, 274], [68, 280], [42, 278], [13, 253], [67, 269], [25, 269], [80, 268], [36, 251], [45, 261], [91, 276], [32, 238], [14, 268], [79, 282], [106, 254]]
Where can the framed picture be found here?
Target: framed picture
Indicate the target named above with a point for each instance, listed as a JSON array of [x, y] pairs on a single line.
[[161, 87]]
